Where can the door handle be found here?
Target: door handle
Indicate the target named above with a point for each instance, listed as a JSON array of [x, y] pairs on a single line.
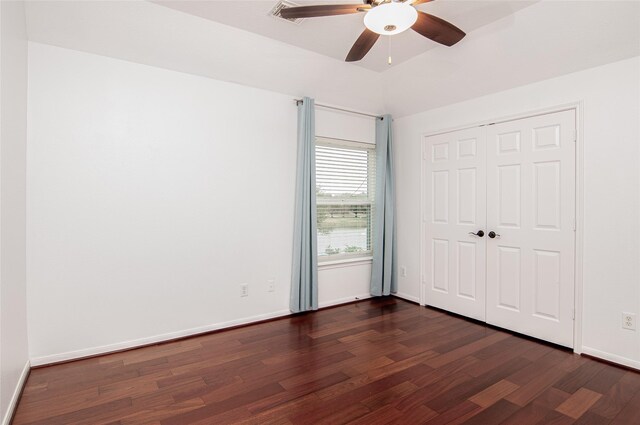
[[479, 234], [493, 234]]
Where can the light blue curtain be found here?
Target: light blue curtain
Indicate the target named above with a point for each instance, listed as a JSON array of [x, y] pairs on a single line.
[[304, 280], [384, 279]]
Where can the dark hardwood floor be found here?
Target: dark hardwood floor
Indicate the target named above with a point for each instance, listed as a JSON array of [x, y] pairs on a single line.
[[374, 362]]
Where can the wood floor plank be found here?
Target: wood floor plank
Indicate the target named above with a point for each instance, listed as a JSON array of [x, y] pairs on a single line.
[[605, 379], [530, 414], [165, 410], [449, 398], [618, 396], [494, 414], [581, 401], [418, 415], [532, 371], [384, 416], [413, 366], [494, 393], [630, 413], [88, 415], [381, 360], [447, 391], [456, 415], [591, 418], [551, 398], [465, 350], [349, 414], [387, 396], [556, 418], [580, 377], [282, 410], [537, 384], [297, 392]]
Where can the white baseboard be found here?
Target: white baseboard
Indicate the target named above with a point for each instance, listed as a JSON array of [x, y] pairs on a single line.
[[407, 297], [120, 346], [611, 357], [13, 403], [344, 300], [104, 349]]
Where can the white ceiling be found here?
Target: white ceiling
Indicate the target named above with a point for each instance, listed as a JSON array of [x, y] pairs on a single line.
[[333, 36], [544, 40], [548, 39]]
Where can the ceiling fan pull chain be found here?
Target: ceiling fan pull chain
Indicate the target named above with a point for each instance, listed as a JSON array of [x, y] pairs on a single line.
[[389, 38]]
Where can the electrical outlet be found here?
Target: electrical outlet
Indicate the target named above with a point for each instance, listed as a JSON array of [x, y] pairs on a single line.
[[403, 271], [271, 285], [629, 321], [244, 290]]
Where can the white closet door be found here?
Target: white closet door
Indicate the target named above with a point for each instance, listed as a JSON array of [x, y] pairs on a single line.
[[454, 205], [531, 205]]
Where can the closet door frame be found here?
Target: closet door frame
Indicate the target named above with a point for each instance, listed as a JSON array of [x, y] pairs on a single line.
[[578, 107]]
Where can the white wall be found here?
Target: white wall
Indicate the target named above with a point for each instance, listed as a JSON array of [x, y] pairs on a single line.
[[151, 196], [541, 41], [340, 283], [611, 147], [147, 33], [13, 128]]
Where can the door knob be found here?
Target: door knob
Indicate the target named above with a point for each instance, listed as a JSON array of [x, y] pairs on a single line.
[[479, 234], [493, 234]]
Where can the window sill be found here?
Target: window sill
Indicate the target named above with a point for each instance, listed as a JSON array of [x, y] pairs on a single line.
[[345, 262]]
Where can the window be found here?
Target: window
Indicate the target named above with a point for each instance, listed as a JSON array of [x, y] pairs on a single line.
[[345, 190]]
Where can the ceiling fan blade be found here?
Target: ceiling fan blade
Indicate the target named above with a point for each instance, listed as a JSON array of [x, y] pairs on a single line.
[[322, 10], [416, 2], [363, 44], [437, 29]]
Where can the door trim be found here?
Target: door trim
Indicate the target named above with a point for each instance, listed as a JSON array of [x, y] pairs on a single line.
[[578, 107]]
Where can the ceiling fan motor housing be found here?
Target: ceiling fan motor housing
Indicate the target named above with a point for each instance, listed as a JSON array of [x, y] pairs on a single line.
[[391, 18], [382, 17]]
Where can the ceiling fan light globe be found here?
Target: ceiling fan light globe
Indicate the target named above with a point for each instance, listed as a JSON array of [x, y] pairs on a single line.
[[391, 18]]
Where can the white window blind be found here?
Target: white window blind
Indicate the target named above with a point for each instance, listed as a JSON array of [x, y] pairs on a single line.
[[345, 189]]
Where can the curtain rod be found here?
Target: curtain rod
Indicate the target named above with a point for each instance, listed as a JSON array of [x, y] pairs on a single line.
[[298, 101]]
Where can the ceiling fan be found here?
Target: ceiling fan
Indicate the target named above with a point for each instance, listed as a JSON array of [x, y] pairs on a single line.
[[383, 17]]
